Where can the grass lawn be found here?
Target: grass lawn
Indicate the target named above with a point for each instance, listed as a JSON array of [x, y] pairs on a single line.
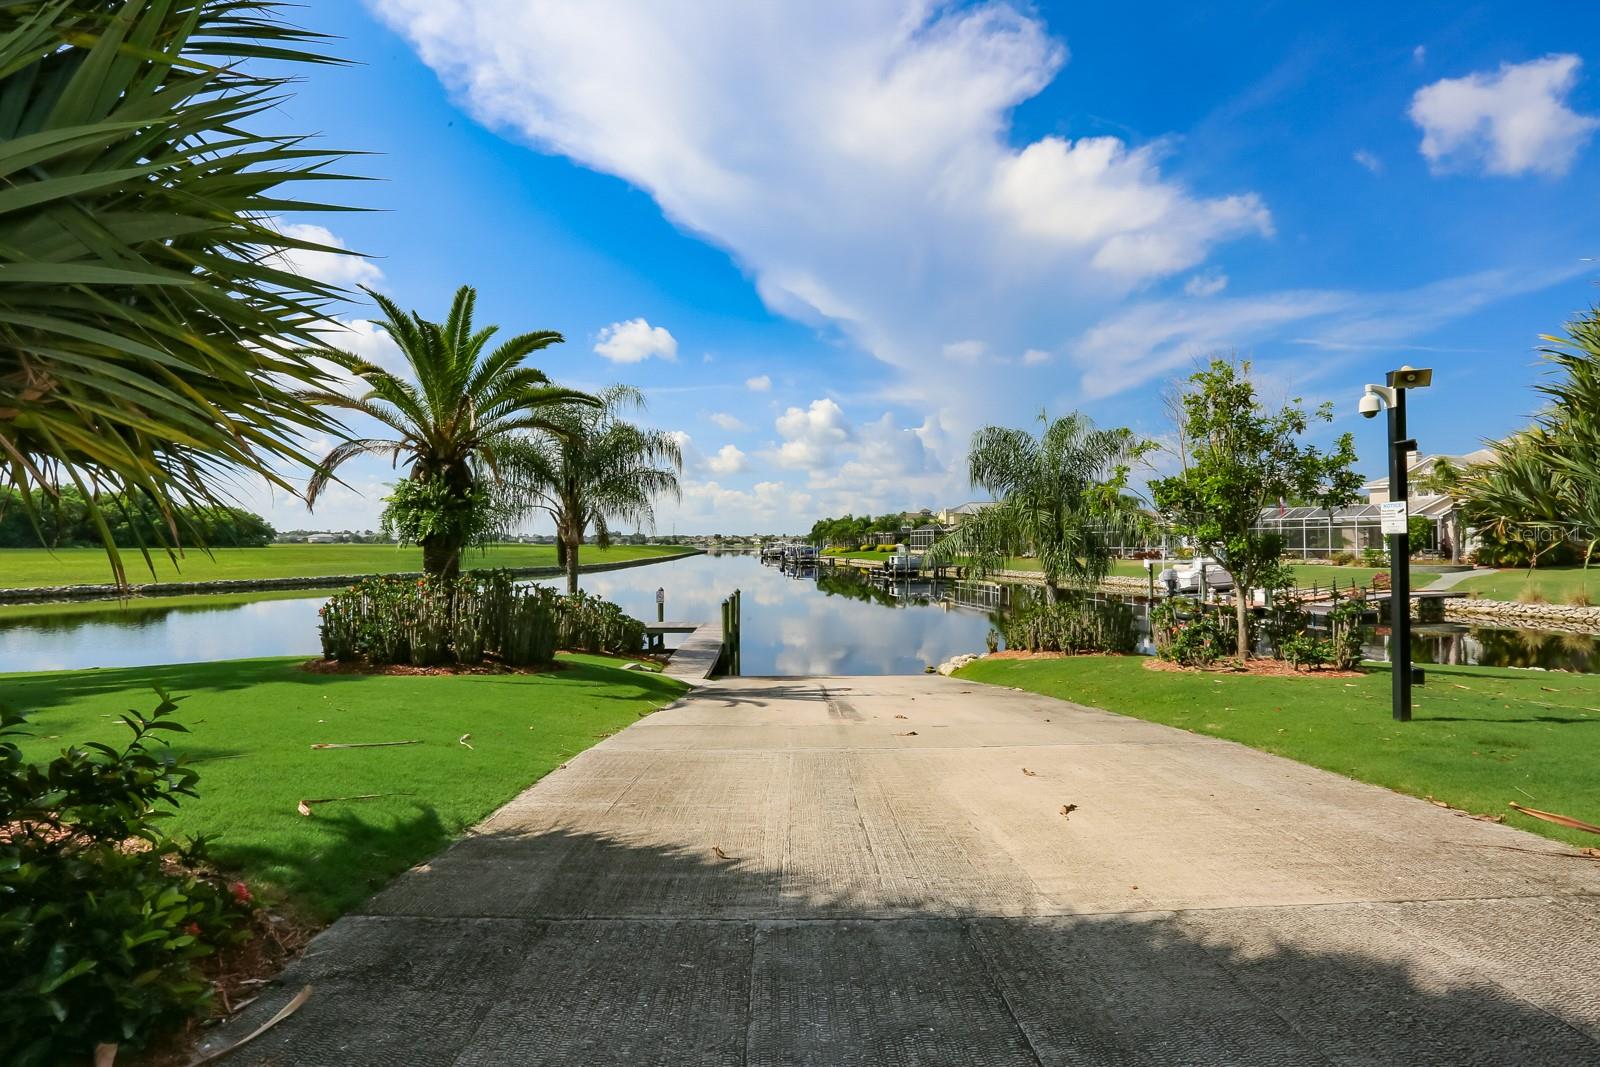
[[252, 723], [1479, 737], [1555, 584], [26, 567]]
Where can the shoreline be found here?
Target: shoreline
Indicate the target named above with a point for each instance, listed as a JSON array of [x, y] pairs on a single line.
[[156, 590]]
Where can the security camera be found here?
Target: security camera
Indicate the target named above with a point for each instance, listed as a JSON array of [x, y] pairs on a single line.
[[1370, 405]]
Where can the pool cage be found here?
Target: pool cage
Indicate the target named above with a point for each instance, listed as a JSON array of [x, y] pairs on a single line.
[[1317, 533]]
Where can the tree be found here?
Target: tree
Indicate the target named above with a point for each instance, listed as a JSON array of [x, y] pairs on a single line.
[[149, 324], [1241, 459], [450, 424], [1061, 494], [587, 468]]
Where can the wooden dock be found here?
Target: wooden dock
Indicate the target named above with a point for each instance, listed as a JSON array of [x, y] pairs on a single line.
[[696, 659]]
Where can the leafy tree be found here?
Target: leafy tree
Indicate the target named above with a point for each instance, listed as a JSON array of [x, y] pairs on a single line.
[[150, 329], [450, 424], [1061, 494], [1241, 457], [587, 468]]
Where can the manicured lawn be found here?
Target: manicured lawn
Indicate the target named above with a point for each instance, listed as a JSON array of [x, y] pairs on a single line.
[[252, 724], [1479, 736], [26, 567], [1555, 584]]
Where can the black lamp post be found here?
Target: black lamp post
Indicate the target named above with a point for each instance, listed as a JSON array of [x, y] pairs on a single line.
[[1393, 397]]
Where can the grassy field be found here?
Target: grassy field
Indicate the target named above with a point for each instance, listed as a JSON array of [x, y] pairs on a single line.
[[252, 724], [1558, 585], [1479, 737], [27, 567]]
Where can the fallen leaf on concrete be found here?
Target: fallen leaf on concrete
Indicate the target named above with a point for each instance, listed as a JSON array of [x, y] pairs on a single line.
[[370, 744], [899, 716], [1068, 809], [287, 1010], [721, 855], [908, 733], [1489, 818], [463, 739], [1030, 774], [1560, 820], [304, 807]]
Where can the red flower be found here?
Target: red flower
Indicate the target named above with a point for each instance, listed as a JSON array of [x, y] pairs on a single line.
[[241, 892], [193, 930]]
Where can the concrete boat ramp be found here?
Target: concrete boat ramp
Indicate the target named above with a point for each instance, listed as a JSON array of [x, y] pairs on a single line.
[[923, 871]]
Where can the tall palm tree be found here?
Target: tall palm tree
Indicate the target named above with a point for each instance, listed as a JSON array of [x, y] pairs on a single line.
[[450, 424], [148, 326], [591, 468], [1061, 494]]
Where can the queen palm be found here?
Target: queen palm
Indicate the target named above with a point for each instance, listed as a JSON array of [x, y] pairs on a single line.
[[449, 425], [1060, 494], [591, 468]]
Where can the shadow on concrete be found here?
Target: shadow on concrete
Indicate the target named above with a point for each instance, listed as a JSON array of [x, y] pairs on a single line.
[[563, 947]]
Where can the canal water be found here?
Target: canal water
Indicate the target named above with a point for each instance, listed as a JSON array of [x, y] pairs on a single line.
[[794, 623]]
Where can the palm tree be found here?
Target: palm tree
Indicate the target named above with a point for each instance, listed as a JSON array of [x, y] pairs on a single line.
[[148, 326], [591, 468], [449, 425], [1060, 494]]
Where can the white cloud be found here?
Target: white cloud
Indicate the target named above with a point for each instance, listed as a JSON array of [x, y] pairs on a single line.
[[1035, 356], [761, 383], [635, 341], [722, 420], [728, 460], [1368, 160], [966, 351], [1206, 283], [1419, 54], [1513, 121], [334, 268], [854, 155], [811, 436]]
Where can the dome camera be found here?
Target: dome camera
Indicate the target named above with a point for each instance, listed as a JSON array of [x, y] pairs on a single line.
[[1370, 405]]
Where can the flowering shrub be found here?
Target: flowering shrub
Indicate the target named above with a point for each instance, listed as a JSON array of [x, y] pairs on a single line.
[[478, 616], [101, 915], [1196, 639]]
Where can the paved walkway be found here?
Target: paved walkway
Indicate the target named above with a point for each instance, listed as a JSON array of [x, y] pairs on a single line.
[[842, 871]]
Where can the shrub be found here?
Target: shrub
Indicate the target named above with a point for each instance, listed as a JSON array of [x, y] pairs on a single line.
[[1342, 559], [1304, 650], [1374, 557], [104, 916], [1532, 595], [593, 625], [1077, 625], [1196, 638], [1347, 633]]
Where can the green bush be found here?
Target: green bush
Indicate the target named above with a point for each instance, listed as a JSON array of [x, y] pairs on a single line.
[[102, 917], [479, 616], [1304, 650], [1342, 559], [1347, 628], [1374, 557], [1186, 634], [1078, 625]]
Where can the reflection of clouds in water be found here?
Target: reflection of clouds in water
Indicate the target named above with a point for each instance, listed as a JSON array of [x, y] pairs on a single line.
[[790, 626]]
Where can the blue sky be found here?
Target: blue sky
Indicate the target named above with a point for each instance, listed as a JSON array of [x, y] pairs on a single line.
[[832, 239]]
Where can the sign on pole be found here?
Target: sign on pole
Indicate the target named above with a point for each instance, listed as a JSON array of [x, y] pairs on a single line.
[[1394, 515]]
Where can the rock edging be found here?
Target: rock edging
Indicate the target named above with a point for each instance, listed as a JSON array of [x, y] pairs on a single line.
[[1511, 613]]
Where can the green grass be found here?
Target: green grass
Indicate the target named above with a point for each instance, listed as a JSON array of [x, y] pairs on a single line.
[[27, 567], [1555, 584], [1479, 737], [252, 723]]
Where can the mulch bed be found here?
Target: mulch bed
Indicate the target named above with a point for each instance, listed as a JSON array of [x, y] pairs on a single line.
[[334, 666], [1257, 668]]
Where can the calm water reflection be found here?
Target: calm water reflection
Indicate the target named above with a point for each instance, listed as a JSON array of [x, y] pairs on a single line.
[[793, 624]]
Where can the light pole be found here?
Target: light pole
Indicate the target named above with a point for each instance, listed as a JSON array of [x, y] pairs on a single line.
[[1395, 517]]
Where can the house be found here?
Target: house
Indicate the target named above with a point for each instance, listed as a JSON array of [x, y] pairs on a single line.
[[957, 515]]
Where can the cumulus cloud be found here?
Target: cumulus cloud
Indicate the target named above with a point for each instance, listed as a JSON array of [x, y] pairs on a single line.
[[1207, 283], [635, 341], [728, 460], [1509, 122], [811, 436], [854, 155], [722, 420], [761, 383], [1035, 356]]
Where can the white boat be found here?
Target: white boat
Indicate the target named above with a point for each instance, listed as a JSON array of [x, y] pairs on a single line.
[[1183, 576]]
